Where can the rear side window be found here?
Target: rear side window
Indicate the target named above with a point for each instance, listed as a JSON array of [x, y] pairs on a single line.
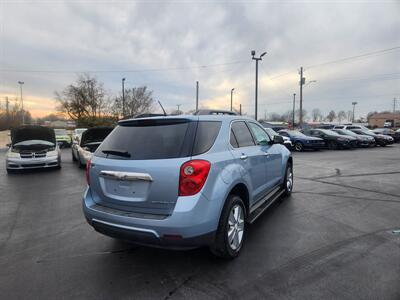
[[242, 134], [148, 139], [206, 134]]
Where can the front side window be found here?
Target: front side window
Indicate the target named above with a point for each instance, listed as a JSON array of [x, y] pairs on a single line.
[[259, 134], [242, 134]]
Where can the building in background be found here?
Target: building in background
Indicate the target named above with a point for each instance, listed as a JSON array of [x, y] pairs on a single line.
[[379, 120]]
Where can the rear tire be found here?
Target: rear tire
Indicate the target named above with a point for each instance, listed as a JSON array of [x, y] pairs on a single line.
[[80, 164], [231, 230], [73, 156], [287, 184]]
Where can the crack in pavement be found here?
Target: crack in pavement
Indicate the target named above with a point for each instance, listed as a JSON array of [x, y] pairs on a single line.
[[338, 174], [129, 250], [349, 186], [344, 196], [179, 286]]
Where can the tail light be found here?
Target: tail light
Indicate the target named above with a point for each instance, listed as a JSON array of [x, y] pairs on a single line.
[[193, 175], [88, 164]]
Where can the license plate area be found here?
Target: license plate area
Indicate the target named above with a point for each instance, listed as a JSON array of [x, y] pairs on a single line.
[[125, 190]]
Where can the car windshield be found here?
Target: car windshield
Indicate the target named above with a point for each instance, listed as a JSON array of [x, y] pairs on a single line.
[[33, 142], [347, 132], [271, 132], [80, 131], [329, 132], [60, 132], [295, 133]]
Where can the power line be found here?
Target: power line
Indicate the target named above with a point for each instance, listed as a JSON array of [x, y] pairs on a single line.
[[353, 57], [124, 71]]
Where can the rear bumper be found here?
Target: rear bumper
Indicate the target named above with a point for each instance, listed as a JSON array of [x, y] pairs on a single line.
[[32, 163], [187, 228]]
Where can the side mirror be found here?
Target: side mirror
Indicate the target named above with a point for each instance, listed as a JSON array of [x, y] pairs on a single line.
[[278, 139]]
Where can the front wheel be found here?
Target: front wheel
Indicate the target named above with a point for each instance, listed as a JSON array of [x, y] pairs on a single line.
[[287, 184], [231, 229], [298, 146], [332, 145]]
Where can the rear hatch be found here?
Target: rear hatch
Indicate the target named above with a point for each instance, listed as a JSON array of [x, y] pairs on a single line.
[[137, 167]]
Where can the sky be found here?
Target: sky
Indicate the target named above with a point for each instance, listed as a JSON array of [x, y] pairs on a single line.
[[169, 45]]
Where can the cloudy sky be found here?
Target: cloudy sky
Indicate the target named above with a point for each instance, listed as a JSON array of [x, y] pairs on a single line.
[[169, 45]]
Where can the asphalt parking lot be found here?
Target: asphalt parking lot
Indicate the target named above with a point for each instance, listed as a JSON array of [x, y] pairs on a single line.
[[334, 238]]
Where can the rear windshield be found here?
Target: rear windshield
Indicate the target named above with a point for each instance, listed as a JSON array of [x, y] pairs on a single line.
[[159, 139]]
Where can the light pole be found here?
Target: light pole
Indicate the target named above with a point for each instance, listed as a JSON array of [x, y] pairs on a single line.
[[22, 102], [123, 98], [253, 53], [294, 106], [197, 95], [354, 108], [232, 98]]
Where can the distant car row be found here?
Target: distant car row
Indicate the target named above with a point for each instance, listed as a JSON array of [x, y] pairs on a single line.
[[339, 137]]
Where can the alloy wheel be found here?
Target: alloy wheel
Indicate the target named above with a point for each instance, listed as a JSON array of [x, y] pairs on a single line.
[[235, 227]]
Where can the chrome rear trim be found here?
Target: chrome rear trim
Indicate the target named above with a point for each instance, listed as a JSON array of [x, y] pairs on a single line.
[[129, 176], [127, 227]]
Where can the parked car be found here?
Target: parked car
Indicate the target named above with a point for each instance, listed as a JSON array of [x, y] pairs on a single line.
[[63, 138], [86, 145], [301, 141], [380, 139], [363, 140], [286, 140], [77, 133], [332, 139], [185, 181], [32, 147], [390, 132]]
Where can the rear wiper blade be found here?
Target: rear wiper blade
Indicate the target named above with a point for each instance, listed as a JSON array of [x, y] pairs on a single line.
[[116, 152]]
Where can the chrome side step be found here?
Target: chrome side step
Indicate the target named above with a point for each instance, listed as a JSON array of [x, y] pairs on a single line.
[[265, 204]]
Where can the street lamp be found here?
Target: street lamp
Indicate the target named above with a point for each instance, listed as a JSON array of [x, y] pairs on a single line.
[[123, 98], [354, 108], [294, 106], [232, 97], [253, 53], [22, 102]]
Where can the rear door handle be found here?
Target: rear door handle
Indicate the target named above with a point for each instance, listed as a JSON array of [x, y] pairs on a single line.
[[243, 156]]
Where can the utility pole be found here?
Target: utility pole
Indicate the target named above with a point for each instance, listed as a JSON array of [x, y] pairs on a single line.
[[232, 99], [123, 98], [265, 114], [294, 106], [240, 108], [22, 102], [302, 81], [394, 104], [178, 105], [354, 108], [257, 59], [7, 113], [197, 95]]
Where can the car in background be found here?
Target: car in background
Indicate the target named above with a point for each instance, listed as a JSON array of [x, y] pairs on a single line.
[[77, 132], [32, 147], [89, 141], [332, 139], [380, 139], [185, 181], [363, 140], [286, 140], [301, 141], [63, 138], [387, 131]]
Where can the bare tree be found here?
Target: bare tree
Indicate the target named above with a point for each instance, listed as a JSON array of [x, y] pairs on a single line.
[[86, 98], [137, 101], [341, 115], [316, 114], [331, 116]]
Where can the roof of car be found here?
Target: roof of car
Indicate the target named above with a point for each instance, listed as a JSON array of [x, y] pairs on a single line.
[[193, 118]]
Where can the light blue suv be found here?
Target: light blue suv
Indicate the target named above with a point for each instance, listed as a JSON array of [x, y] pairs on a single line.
[[185, 181]]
